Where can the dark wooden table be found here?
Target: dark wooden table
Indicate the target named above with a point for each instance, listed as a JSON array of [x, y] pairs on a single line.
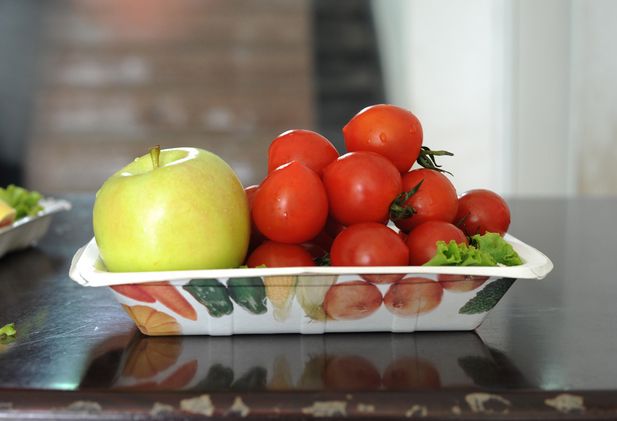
[[548, 350]]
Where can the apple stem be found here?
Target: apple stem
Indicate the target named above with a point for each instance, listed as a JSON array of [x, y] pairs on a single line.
[[155, 153]]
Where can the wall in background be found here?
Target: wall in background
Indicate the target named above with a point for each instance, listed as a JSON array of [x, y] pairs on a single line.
[[523, 92], [118, 77], [593, 101]]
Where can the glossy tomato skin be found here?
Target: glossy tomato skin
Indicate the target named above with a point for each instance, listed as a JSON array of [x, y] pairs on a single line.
[[387, 130], [435, 200], [291, 205], [481, 211], [361, 186], [368, 244], [256, 237], [274, 255], [422, 240], [305, 146]]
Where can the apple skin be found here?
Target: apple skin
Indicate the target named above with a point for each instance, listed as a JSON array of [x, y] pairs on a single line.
[[190, 212]]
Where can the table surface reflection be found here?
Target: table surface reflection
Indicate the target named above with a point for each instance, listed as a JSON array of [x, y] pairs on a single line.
[[547, 350]]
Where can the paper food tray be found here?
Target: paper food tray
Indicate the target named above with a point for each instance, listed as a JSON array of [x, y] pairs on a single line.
[[309, 299]]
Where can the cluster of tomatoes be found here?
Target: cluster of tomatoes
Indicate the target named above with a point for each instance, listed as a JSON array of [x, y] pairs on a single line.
[[315, 204]]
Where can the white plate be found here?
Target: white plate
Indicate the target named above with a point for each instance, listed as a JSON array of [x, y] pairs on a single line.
[[28, 231]]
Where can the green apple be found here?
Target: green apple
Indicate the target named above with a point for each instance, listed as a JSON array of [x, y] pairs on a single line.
[[172, 209]]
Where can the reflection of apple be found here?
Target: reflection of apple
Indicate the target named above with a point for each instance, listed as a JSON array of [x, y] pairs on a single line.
[[7, 214], [173, 209]]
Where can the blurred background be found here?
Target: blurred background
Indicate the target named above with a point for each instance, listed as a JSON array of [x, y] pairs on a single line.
[[524, 92]]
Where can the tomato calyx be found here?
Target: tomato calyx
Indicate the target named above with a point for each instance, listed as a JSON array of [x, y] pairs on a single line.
[[398, 208], [427, 156], [323, 260]]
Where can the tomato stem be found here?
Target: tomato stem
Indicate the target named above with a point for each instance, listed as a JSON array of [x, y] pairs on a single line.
[[427, 156], [398, 208]]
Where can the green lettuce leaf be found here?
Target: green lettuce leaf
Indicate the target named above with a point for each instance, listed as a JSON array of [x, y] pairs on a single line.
[[452, 254], [8, 330], [25, 202], [485, 250], [499, 249]]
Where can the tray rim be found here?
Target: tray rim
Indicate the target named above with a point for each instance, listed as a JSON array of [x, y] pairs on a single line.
[[83, 269]]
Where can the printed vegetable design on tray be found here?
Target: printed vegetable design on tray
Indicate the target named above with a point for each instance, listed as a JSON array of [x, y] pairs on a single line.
[[249, 293], [212, 294], [311, 292], [153, 322], [411, 297], [351, 300], [163, 292], [280, 290], [461, 283], [487, 297]]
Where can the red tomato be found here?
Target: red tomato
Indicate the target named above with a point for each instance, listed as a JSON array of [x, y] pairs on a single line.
[[388, 130], [422, 240], [291, 205], [480, 211], [305, 146], [435, 200], [275, 255], [369, 244], [256, 237], [361, 186]]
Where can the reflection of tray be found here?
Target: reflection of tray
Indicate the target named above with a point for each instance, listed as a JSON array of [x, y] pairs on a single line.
[[342, 362], [27, 231], [309, 299]]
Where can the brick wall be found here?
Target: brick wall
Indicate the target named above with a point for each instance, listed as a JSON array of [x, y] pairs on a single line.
[[118, 77]]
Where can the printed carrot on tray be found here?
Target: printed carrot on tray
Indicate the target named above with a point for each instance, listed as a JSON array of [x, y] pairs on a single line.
[[133, 291], [171, 298]]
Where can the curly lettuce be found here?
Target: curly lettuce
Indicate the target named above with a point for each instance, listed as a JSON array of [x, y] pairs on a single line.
[[489, 249], [25, 202]]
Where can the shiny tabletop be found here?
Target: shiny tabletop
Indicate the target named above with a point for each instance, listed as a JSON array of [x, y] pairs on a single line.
[[546, 351]]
